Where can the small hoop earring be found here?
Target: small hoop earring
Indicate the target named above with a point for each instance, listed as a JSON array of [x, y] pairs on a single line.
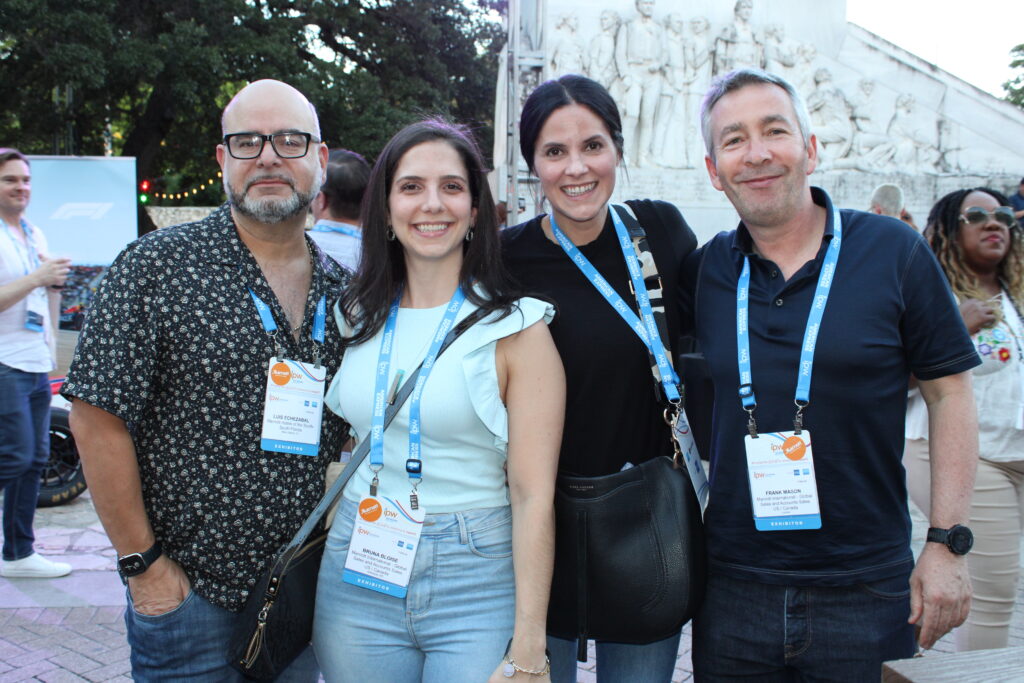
[[390, 234], [469, 234]]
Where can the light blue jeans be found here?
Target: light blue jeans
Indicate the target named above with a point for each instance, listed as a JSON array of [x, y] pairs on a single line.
[[189, 644], [452, 626], [649, 663]]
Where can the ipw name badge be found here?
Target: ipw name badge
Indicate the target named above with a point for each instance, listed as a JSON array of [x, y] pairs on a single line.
[[385, 537], [293, 407], [783, 487]]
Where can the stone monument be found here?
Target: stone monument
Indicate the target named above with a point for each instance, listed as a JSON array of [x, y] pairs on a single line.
[[880, 113]]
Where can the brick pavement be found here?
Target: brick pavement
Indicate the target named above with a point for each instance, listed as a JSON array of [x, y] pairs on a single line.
[[71, 628]]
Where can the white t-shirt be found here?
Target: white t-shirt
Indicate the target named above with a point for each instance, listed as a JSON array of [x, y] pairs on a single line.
[[21, 348], [998, 390]]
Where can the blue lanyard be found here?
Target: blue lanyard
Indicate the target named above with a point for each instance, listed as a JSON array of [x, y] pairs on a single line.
[[647, 328], [33, 254], [334, 226], [802, 396], [414, 463], [270, 325]]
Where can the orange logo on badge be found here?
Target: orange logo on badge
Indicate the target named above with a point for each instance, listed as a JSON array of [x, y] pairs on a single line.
[[280, 374], [794, 448], [369, 509]]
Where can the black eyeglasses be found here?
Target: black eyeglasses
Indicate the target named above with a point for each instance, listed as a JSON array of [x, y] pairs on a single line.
[[975, 215], [250, 145]]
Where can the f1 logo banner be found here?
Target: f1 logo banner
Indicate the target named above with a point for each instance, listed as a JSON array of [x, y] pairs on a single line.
[[86, 206]]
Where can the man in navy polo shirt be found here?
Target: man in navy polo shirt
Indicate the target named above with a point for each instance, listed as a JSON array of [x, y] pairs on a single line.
[[813, 321]]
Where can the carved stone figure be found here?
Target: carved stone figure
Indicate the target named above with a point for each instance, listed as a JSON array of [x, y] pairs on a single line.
[[699, 51], [907, 149], [802, 75], [738, 45], [602, 52], [569, 53], [640, 56], [867, 132], [671, 125], [830, 116], [779, 55]]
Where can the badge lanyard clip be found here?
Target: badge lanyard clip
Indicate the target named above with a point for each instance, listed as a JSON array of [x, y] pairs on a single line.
[[798, 421], [751, 422], [375, 483], [670, 415], [414, 468]]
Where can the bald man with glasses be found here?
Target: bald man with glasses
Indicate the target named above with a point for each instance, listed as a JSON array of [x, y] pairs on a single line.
[[185, 394]]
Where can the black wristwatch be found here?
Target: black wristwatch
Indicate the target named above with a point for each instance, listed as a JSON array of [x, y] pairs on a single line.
[[136, 563], [957, 538]]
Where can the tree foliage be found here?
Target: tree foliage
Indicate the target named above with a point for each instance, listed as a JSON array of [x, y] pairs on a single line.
[[150, 79], [1015, 87]]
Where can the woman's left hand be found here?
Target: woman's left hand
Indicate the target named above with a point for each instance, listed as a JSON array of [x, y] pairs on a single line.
[[499, 677]]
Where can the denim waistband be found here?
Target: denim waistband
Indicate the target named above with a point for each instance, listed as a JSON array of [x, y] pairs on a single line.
[[459, 524]]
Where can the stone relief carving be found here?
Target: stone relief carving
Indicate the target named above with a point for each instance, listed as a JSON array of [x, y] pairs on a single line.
[[602, 53], [830, 118], [658, 67], [779, 54], [908, 147], [699, 51], [671, 130], [738, 45], [640, 57], [569, 53]]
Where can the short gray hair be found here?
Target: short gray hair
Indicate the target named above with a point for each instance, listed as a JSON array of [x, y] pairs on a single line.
[[889, 199], [741, 78]]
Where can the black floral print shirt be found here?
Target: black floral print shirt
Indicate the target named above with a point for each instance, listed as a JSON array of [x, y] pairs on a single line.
[[173, 345]]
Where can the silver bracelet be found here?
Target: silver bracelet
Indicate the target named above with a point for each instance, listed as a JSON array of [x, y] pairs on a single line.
[[510, 667]]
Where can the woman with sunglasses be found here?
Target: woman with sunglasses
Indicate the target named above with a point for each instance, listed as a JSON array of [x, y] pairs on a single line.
[[974, 234], [439, 561]]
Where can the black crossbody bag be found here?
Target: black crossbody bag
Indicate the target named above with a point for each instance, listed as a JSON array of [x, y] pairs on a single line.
[[630, 559], [276, 624]]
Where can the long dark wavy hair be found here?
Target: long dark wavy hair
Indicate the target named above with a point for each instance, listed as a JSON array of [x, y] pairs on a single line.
[[943, 232], [382, 264]]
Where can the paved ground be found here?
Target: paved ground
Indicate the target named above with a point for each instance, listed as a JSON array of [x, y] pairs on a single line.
[[71, 629]]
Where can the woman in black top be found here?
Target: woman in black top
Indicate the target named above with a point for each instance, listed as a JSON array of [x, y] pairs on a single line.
[[571, 138]]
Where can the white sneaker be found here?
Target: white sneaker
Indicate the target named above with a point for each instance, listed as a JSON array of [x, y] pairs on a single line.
[[35, 566]]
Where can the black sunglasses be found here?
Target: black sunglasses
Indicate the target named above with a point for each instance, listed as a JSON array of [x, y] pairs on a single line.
[[975, 215]]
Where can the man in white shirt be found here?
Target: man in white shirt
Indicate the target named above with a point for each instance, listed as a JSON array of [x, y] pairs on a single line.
[[29, 298], [336, 208]]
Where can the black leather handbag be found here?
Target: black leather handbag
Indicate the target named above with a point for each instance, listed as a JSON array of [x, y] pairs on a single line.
[[630, 562], [276, 624]]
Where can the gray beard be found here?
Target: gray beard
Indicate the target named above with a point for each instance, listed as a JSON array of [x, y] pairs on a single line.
[[272, 210]]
